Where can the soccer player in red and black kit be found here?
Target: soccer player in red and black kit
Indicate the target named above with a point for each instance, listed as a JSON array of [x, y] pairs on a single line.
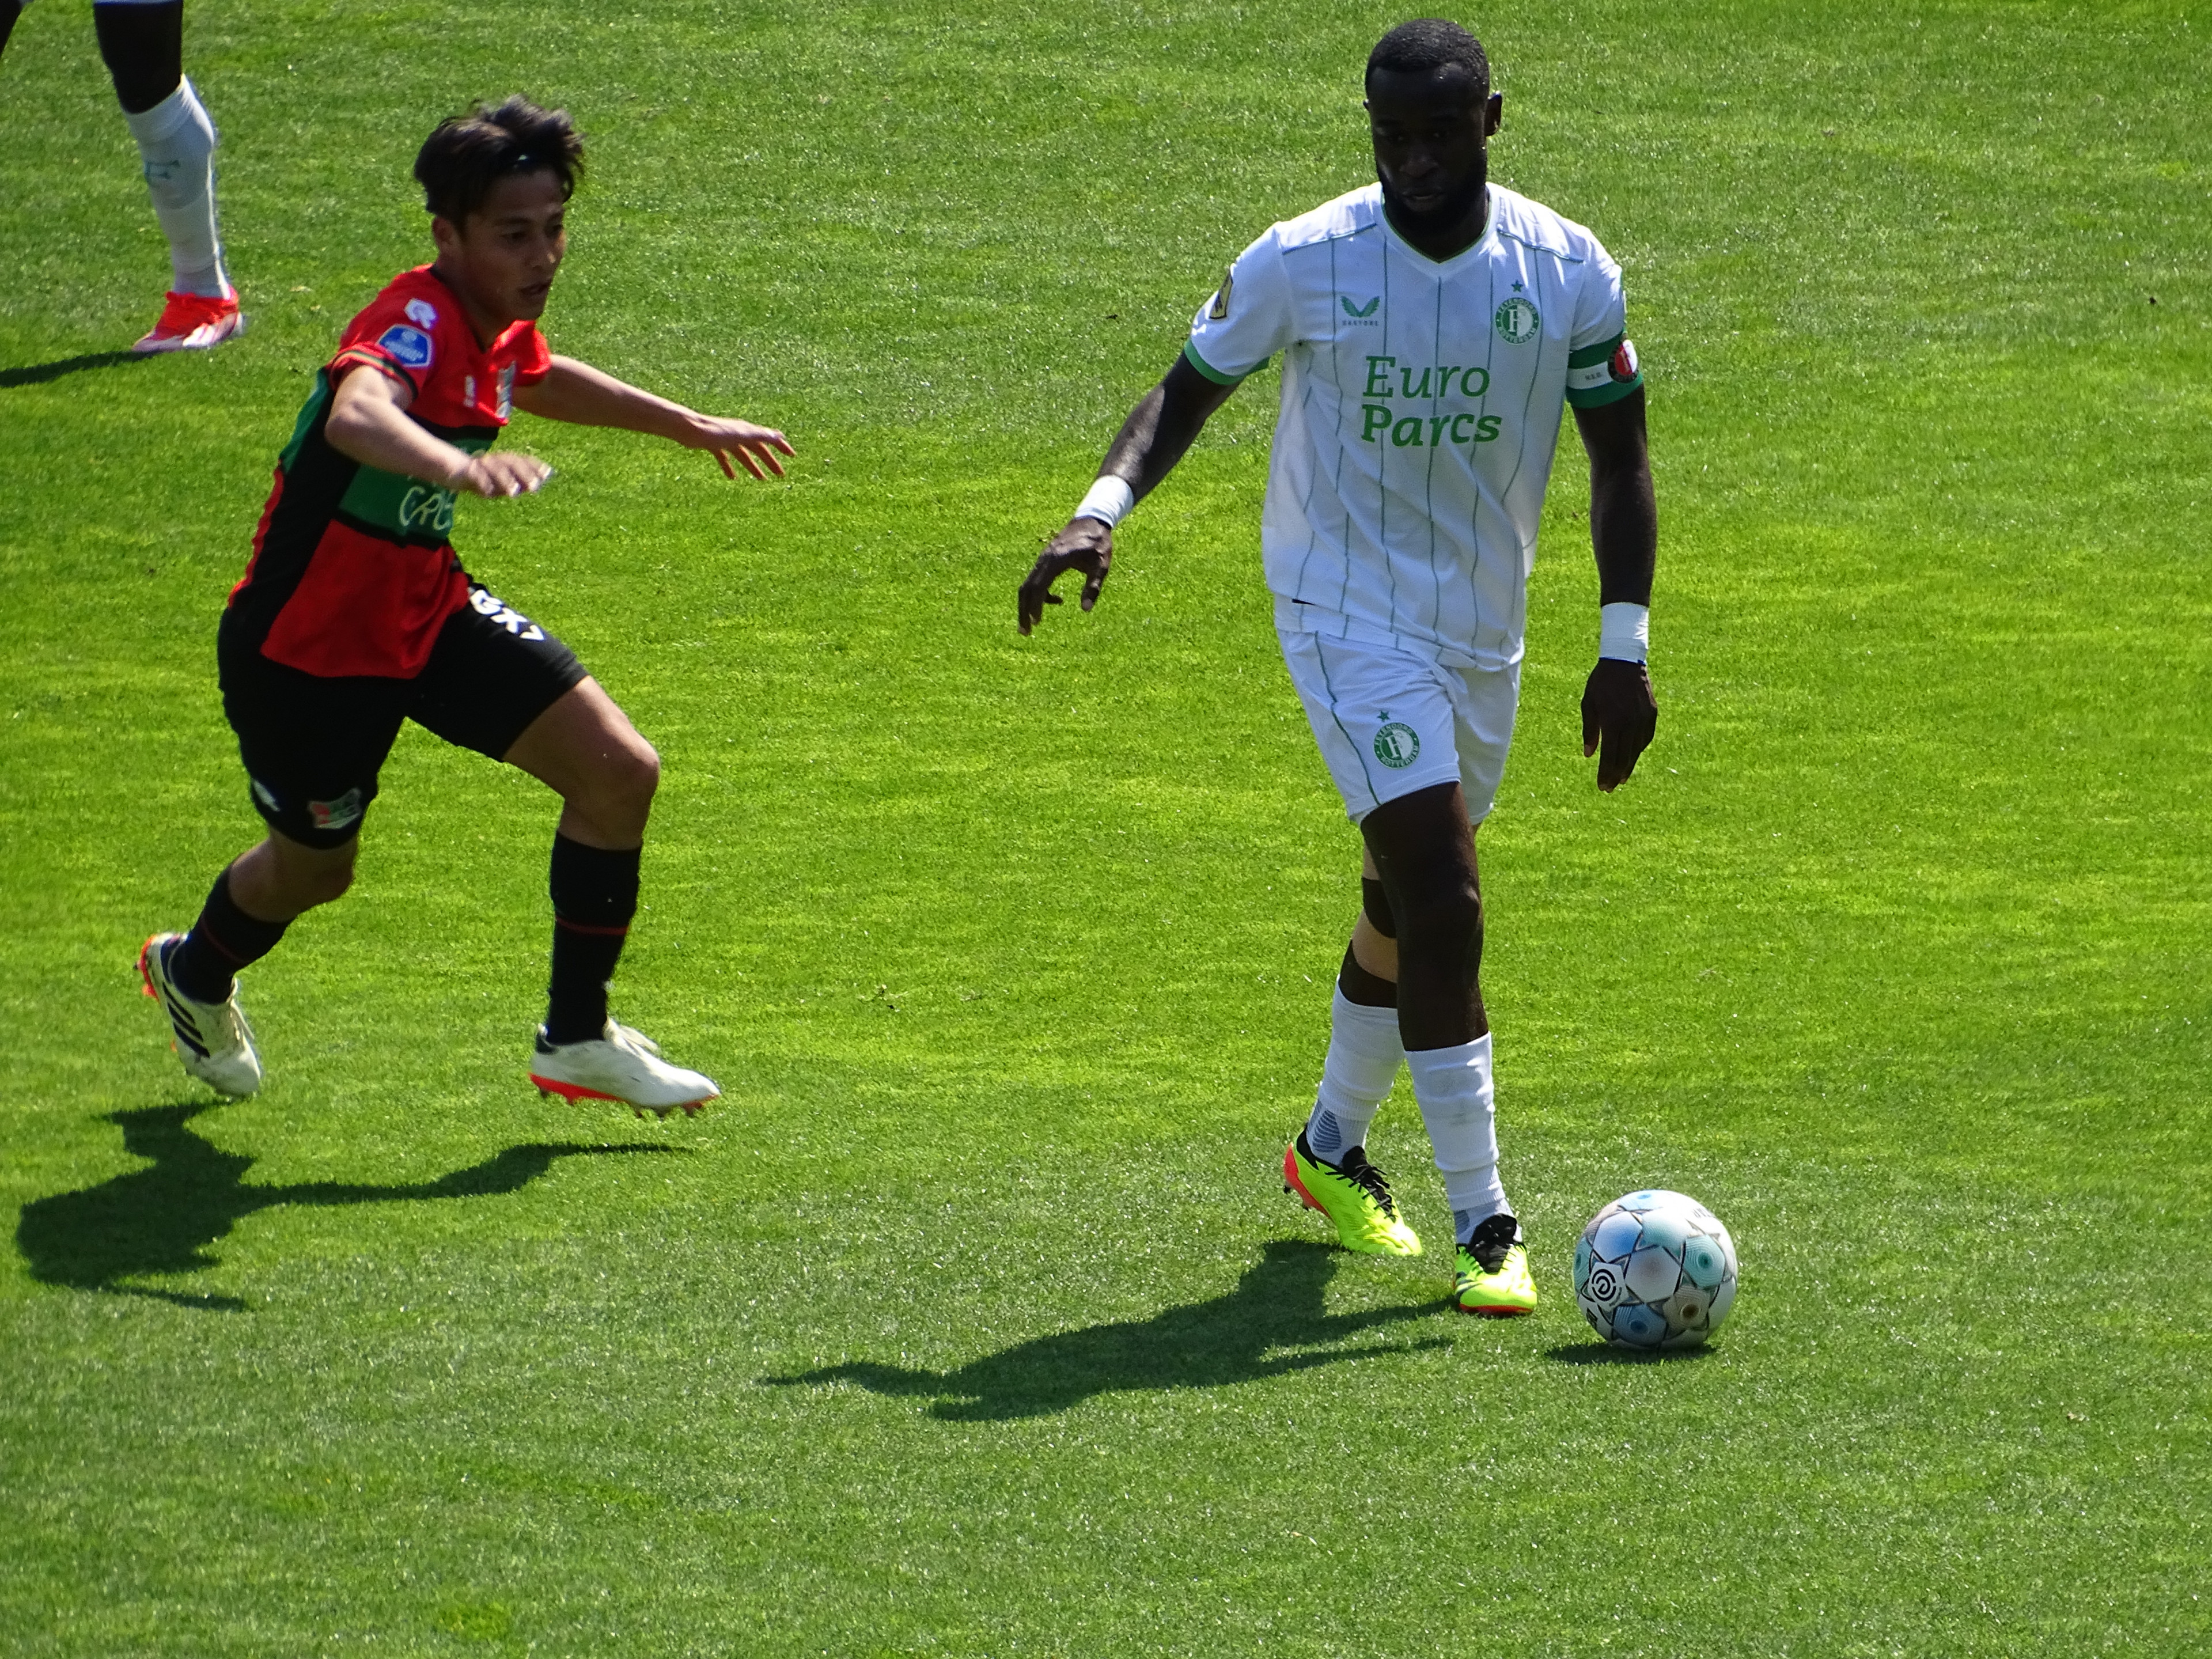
[[354, 614]]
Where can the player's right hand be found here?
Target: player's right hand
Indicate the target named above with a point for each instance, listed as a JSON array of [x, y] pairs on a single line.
[[1087, 544], [496, 475]]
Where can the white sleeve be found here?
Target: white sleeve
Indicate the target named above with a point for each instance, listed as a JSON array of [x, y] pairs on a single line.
[[1248, 320], [1601, 366]]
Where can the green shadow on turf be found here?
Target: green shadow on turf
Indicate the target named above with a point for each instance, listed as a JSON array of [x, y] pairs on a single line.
[[40, 373], [161, 1220], [1270, 1325]]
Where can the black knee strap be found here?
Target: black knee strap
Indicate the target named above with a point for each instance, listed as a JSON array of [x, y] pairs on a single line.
[[1376, 903]]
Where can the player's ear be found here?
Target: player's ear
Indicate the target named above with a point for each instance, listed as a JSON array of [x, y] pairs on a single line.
[[446, 234], [1494, 117]]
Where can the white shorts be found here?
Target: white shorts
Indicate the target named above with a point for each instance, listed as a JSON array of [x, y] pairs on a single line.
[[1389, 723]]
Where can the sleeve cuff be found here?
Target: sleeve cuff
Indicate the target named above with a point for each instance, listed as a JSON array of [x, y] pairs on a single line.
[[1190, 354]]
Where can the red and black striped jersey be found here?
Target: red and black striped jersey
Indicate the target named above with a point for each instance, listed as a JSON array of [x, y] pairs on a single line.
[[353, 571]]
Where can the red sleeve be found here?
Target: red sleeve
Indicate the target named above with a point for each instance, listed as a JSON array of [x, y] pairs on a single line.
[[533, 358], [409, 334]]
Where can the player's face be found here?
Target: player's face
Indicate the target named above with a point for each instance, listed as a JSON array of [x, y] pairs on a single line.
[[502, 257], [1431, 144]]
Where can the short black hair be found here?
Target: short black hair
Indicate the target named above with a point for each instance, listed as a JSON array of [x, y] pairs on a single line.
[[460, 162], [1428, 43]]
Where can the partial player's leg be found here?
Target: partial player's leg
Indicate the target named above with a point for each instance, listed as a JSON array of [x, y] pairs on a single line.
[[142, 43], [9, 11], [313, 748], [585, 748], [192, 975], [1422, 848], [497, 682], [1327, 1165]]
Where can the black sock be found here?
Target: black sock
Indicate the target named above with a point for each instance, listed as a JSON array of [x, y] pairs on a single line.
[[594, 895], [223, 940]]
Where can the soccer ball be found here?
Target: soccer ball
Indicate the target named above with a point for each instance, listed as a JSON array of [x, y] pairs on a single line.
[[1656, 1270]]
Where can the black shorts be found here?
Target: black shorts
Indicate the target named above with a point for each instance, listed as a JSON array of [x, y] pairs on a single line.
[[313, 746]]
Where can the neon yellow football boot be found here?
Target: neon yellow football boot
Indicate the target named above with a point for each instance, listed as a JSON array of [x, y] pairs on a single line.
[[1353, 1194], [1493, 1277]]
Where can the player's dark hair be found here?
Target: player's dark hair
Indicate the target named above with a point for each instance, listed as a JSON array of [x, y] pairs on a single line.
[[1428, 43], [460, 162]]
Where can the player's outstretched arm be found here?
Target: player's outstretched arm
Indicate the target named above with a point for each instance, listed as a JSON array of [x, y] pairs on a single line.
[[1151, 440], [584, 396], [1619, 713], [369, 423]]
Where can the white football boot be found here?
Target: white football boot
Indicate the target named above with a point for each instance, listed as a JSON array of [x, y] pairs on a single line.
[[620, 1064], [212, 1038]]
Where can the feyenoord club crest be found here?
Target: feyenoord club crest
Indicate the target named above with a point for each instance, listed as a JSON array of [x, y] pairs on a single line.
[[1518, 320], [1397, 745]]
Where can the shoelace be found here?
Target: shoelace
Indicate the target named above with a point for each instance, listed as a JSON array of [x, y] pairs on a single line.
[[1369, 1178], [1493, 1240]]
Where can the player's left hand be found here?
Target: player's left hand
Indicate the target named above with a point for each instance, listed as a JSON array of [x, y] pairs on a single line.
[[1619, 713], [742, 439], [1087, 545]]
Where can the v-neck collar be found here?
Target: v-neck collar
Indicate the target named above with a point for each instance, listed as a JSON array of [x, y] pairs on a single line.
[[1443, 267]]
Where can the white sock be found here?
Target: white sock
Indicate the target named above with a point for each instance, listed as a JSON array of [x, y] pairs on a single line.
[[1459, 1105], [1364, 1052], [177, 142]]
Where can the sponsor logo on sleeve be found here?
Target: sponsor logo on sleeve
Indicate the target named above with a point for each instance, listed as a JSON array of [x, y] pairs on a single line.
[[1518, 321], [1219, 311], [408, 347], [422, 312], [1623, 366]]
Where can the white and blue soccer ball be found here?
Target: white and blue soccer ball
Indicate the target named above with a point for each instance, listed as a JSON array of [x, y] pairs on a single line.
[[1656, 1270]]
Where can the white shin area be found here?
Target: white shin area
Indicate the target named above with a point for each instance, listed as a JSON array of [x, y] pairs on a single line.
[[1459, 1105], [176, 141], [1364, 1052]]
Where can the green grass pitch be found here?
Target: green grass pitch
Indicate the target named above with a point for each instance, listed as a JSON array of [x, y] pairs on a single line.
[[972, 1321]]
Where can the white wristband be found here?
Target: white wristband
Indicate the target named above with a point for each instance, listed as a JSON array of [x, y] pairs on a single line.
[[1109, 501], [1624, 631]]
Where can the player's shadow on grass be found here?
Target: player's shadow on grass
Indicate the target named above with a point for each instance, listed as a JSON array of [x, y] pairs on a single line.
[[40, 373], [161, 1219], [1273, 1323]]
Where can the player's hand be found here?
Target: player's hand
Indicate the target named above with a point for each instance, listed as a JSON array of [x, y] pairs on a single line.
[[723, 438], [1087, 544], [1619, 713], [501, 474]]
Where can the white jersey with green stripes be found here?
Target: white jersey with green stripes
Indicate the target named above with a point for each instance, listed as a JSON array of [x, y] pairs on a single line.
[[1421, 406]]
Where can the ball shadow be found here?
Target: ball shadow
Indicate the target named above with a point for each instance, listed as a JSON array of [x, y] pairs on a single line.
[[1616, 1353]]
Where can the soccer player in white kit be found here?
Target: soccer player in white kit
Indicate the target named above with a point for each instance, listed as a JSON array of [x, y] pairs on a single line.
[[1433, 325]]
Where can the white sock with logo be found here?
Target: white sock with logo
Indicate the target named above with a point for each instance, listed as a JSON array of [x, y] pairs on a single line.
[[176, 141], [1364, 1052], [1459, 1105]]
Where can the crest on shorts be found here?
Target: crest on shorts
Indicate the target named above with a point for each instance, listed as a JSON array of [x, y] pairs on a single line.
[[1518, 320], [336, 814], [1397, 745]]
